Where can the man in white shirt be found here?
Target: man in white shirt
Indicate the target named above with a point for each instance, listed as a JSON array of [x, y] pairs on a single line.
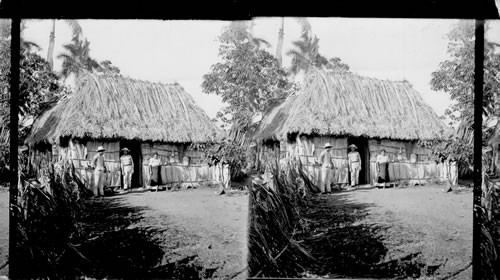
[[98, 163], [354, 160], [127, 167], [327, 167]]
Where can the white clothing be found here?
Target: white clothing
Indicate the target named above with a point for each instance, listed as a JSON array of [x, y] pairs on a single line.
[[382, 159], [128, 170]]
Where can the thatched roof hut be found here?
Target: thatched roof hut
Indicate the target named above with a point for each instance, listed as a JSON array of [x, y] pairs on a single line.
[[349, 104], [344, 109], [106, 106], [118, 112]]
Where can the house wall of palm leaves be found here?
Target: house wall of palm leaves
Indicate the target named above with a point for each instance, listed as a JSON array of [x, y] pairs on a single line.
[[344, 109], [118, 112]]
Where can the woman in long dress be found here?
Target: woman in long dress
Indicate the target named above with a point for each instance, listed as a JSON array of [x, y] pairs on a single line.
[[382, 168], [154, 171]]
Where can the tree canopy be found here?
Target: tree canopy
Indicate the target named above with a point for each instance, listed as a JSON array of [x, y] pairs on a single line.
[[39, 86], [248, 79], [455, 76], [305, 56], [76, 58]]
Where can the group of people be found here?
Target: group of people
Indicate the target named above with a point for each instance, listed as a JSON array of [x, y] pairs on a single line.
[[354, 164], [328, 167], [98, 163]]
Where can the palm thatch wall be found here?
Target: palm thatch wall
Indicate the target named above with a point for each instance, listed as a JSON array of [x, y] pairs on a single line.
[[349, 104], [106, 106], [112, 111]]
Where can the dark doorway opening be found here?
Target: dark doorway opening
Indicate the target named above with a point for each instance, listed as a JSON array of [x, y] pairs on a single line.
[[135, 151], [362, 144]]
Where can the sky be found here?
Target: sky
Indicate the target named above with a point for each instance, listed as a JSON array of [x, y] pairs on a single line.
[[183, 51]]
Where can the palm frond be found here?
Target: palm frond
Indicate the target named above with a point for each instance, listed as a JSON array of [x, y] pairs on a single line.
[[305, 26], [75, 26]]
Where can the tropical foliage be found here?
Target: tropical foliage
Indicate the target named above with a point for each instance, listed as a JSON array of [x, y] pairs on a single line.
[[224, 152], [76, 30], [4, 96], [305, 56], [248, 79], [107, 67], [455, 76], [39, 88], [76, 58]]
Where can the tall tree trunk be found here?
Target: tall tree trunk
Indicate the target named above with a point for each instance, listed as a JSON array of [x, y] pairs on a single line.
[[279, 48], [50, 53]]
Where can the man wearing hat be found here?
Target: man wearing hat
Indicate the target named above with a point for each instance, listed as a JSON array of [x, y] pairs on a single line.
[[99, 172], [327, 166], [127, 165], [354, 164]]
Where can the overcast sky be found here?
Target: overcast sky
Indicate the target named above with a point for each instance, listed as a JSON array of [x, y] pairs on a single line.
[[183, 51]]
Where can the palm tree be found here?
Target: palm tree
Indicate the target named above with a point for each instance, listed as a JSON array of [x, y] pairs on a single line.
[[76, 30], [306, 55], [306, 29], [248, 29], [77, 58]]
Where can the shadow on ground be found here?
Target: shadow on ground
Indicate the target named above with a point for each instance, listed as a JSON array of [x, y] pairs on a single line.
[[344, 247], [112, 246]]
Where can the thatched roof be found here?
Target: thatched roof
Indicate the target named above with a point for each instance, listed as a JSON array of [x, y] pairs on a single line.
[[349, 104], [106, 107]]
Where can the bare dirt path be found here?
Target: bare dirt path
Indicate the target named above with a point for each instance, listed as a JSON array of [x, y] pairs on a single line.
[[422, 219], [209, 226], [4, 229]]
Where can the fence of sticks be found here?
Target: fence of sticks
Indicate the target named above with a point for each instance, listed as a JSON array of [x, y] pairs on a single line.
[[276, 219]]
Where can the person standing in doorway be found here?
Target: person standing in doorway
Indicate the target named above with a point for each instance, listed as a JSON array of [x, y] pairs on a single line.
[[354, 164], [154, 171], [127, 167], [99, 165], [327, 166], [382, 169]]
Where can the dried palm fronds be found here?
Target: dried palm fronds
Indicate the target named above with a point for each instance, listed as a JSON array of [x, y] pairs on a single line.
[[107, 106], [275, 220], [46, 217], [349, 104]]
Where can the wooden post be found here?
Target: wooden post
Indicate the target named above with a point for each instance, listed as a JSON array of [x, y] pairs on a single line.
[[15, 50], [478, 106]]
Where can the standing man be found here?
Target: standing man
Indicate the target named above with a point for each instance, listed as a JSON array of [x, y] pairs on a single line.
[[327, 165], [127, 167], [354, 164], [99, 172]]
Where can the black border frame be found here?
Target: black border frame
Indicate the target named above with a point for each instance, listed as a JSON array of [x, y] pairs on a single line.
[[244, 10]]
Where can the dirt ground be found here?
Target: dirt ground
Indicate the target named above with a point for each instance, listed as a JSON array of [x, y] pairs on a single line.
[[414, 232], [4, 229], [209, 227], [424, 220]]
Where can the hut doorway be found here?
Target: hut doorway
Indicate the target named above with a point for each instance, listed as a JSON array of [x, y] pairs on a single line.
[[135, 151], [362, 144]]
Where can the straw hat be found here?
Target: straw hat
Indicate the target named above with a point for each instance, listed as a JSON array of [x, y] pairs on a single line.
[[327, 145], [353, 146], [101, 148], [125, 149]]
